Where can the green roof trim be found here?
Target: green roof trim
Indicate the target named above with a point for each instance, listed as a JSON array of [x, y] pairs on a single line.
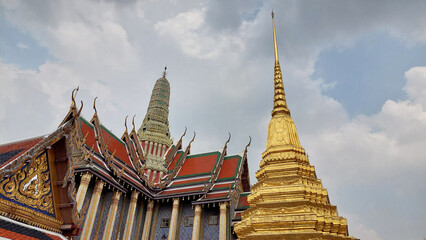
[[225, 179], [111, 134], [203, 154], [86, 122], [186, 184]]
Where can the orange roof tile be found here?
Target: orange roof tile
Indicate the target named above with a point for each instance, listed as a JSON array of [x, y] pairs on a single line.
[[199, 164]]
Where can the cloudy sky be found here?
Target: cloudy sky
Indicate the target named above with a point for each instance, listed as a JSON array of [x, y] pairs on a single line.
[[354, 74]]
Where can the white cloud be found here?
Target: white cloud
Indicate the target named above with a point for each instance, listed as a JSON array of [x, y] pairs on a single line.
[[22, 46], [416, 85], [358, 227], [190, 32], [373, 148]]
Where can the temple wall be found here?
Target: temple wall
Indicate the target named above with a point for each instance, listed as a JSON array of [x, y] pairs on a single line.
[[210, 232], [101, 216], [165, 211], [185, 232]]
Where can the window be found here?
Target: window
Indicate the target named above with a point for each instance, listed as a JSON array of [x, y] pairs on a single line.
[[165, 222], [212, 220], [188, 221]]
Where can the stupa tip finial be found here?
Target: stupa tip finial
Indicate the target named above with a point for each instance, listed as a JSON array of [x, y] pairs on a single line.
[[272, 13], [165, 72]]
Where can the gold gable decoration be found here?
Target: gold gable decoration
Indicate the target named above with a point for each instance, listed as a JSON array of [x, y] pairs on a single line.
[[31, 186]]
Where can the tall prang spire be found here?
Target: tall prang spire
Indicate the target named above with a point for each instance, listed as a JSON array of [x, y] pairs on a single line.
[[154, 132], [288, 201]]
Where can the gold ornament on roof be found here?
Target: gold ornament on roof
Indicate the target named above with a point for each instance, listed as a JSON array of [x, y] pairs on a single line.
[[31, 186]]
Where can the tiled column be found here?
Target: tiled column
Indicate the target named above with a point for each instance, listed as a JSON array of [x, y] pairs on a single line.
[[93, 207], [222, 223], [197, 223], [148, 218], [111, 216], [82, 189], [131, 215], [174, 219]]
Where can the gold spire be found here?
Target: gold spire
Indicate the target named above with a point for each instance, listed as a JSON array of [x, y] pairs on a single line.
[[288, 201], [275, 38], [280, 104]]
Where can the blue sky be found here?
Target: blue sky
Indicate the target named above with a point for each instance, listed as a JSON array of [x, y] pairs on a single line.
[[370, 72], [354, 75], [19, 48]]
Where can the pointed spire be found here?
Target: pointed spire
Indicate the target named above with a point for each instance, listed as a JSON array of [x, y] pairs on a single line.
[[275, 38], [280, 104]]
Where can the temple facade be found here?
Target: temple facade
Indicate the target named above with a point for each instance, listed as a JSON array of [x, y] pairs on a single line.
[[84, 182], [288, 201]]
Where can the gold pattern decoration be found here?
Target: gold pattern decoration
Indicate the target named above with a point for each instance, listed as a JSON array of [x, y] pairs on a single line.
[[31, 186]]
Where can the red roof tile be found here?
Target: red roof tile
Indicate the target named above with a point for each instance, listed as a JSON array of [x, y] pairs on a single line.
[[116, 145], [199, 164], [10, 151], [88, 132], [242, 202], [181, 190], [175, 160], [229, 167], [216, 195], [190, 181], [222, 185]]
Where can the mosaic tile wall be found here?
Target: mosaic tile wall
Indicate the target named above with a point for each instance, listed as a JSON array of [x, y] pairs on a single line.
[[210, 232], [165, 211], [185, 232]]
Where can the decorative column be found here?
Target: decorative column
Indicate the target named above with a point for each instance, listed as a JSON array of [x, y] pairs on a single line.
[[174, 220], [197, 223], [111, 215], [222, 223], [82, 189], [93, 207], [131, 215], [147, 225]]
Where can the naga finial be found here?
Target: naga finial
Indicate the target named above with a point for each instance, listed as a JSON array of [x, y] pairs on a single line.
[[125, 122], [229, 138], [94, 106], [133, 121], [74, 94], [79, 111]]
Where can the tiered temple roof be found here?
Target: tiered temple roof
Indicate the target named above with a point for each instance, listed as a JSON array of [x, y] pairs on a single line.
[[88, 146]]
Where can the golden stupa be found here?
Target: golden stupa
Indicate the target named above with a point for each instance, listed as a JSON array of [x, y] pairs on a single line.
[[288, 201]]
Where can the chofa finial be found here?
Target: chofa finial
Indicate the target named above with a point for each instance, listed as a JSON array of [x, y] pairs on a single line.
[[94, 105]]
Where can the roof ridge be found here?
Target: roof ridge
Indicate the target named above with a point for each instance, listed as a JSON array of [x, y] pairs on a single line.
[[23, 140]]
